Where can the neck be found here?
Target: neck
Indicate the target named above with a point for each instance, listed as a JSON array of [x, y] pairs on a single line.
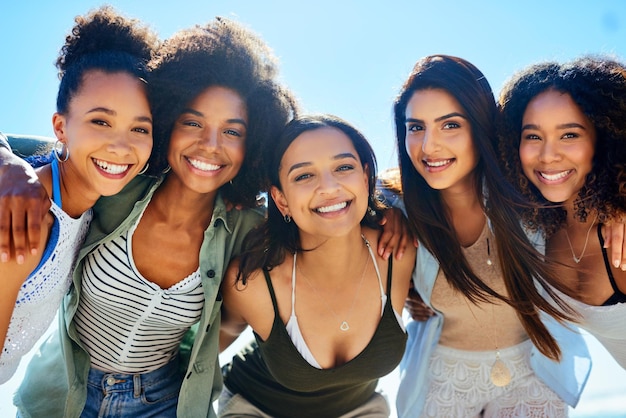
[[76, 196], [181, 206]]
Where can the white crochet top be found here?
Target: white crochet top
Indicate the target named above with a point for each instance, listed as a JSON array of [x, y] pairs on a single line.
[[42, 292]]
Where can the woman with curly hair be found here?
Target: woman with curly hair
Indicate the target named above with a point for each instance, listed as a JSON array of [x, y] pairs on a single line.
[[147, 280], [563, 144], [488, 350], [103, 126]]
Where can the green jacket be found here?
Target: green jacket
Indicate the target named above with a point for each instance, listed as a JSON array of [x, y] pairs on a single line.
[[55, 381]]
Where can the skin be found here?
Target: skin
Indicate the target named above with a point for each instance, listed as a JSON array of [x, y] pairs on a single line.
[[206, 151], [108, 131], [556, 150], [324, 189]]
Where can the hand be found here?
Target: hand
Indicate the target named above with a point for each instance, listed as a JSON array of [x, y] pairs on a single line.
[[395, 236], [416, 307], [614, 236], [23, 204]]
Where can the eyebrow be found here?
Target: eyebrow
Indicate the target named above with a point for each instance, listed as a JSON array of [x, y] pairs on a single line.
[[562, 126], [201, 115], [439, 119], [112, 112], [308, 163]]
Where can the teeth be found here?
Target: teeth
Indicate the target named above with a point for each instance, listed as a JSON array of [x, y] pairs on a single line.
[[110, 167], [332, 208], [200, 165], [437, 163], [554, 177]]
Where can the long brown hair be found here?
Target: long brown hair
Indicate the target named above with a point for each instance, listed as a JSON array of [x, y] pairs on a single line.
[[520, 262]]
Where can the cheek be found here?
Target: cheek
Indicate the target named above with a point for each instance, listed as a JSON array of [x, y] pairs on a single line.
[[413, 148], [526, 157]]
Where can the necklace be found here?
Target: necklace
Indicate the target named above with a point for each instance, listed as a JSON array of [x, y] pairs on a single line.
[[577, 259], [344, 324]]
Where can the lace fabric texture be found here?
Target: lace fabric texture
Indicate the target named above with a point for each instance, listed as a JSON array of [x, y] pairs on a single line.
[[42, 292], [460, 386]]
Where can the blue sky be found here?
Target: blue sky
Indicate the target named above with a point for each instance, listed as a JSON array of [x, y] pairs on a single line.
[[348, 58]]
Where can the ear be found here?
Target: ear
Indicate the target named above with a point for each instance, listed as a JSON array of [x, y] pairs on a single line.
[[58, 124], [279, 199]]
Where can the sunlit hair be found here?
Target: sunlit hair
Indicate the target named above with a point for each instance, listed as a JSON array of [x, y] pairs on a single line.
[[519, 261], [598, 87], [266, 246], [226, 54], [106, 41]]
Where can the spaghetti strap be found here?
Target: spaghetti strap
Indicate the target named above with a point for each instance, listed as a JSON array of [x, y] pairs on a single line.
[[268, 280]]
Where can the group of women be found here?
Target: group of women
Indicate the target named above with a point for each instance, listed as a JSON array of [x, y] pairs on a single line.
[[160, 259]]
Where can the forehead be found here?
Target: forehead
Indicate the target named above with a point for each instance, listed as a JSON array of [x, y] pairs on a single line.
[[431, 102], [553, 103], [324, 143]]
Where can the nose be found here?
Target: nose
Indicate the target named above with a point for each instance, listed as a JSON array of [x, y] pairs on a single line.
[[120, 144], [549, 152], [328, 184], [430, 141], [210, 139]]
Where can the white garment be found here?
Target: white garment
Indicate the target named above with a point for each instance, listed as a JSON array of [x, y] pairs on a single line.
[[42, 292]]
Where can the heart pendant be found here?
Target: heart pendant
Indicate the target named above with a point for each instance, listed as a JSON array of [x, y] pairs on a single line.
[[500, 374]]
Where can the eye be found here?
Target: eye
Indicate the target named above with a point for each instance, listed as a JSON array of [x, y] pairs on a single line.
[[142, 130], [233, 132], [531, 137], [191, 123], [301, 177], [100, 122], [345, 167], [571, 135], [451, 125], [413, 127]]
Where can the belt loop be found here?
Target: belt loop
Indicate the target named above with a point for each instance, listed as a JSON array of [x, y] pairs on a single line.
[[136, 385]]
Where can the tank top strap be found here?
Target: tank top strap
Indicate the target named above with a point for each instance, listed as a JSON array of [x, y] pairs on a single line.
[[56, 182], [389, 276], [380, 282], [268, 280], [607, 264]]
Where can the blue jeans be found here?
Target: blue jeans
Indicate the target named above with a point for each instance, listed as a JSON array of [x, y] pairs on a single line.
[[152, 394]]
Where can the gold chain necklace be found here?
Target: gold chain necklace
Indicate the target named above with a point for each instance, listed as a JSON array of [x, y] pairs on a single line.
[[344, 324], [582, 254]]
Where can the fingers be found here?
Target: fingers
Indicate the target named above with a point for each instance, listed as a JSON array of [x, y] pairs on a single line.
[[395, 236], [416, 307], [614, 239]]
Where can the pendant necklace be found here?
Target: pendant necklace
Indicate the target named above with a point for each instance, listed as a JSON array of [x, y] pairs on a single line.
[[344, 324], [577, 259]]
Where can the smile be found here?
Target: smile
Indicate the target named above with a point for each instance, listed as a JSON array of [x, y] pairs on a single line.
[[201, 165], [554, 176], [434, 166], [110, 168], [332, 208]]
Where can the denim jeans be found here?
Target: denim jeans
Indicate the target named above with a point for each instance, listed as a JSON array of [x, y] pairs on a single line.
[[152, 394]]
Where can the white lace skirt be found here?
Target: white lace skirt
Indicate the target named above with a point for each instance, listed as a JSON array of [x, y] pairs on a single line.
[[460, 386]]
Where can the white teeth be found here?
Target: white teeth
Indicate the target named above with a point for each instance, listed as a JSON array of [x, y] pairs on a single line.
[[437, 163], [332, 208], [110, 167], [200, 165], [554, 177]]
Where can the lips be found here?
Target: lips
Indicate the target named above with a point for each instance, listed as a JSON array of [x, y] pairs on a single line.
[[437, 165], [553, 176], [111, 168]]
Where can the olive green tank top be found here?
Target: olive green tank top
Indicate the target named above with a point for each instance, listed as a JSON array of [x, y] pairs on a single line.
[[273, 376]]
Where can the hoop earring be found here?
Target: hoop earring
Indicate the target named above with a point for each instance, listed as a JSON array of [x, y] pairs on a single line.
[[58, 154], [166, 169], [144, 169], [287, 218]]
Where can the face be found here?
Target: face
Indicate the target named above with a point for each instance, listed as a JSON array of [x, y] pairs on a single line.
[[207, 145], [108, 131], [324, 185], [439, 140], [557, 145]]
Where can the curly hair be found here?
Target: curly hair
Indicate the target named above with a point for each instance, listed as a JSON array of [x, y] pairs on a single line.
[[266, 246], [107, 41], [598, 86], [520, 262], [220, 53]]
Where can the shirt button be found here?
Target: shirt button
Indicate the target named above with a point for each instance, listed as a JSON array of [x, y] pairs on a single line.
[[210, 274], [110, 380]]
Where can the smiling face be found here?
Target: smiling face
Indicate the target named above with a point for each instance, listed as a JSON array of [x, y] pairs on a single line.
[[439, 140], [207, 145], [108, 131], [324, 185], [557, 146]]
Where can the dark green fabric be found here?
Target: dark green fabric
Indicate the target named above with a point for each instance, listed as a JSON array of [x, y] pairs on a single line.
[[24, 145], [273, 375]]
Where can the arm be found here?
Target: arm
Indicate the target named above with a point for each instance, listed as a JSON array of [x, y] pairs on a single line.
[[233, 323], [614, 239], [23, 205], [395, 236]]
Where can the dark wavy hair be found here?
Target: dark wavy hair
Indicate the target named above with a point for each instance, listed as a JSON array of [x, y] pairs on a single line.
[[103, 40], [598, 86], [519, 261], [266, 246], [220, 53]]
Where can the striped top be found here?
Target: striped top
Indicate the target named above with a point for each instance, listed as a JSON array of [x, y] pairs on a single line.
[[127, 323]]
